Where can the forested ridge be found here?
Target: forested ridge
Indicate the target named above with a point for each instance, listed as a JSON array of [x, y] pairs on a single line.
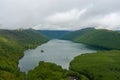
[[101, 38]]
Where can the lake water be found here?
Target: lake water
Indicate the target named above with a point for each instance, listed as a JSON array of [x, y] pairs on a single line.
[[56, 51]]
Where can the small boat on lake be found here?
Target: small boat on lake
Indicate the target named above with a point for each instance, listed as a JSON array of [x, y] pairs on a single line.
[[42, 51]]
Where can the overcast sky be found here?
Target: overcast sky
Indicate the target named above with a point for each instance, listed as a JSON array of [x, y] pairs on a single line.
[[60, 14]]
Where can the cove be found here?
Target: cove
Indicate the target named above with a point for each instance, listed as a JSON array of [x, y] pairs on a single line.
[[56, 51]]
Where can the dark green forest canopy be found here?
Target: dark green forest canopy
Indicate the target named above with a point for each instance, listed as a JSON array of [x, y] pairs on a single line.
[[47, 71], [51, 71]]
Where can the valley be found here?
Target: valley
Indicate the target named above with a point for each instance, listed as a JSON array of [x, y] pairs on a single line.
[[100, 65]]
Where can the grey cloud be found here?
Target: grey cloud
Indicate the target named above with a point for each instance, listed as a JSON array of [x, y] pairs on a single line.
[[32, 13]]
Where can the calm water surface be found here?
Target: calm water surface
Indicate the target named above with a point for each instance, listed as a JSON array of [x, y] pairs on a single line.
[[56, 51]]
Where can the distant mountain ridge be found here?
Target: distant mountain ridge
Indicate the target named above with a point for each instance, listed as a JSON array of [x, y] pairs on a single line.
[[57, 34]]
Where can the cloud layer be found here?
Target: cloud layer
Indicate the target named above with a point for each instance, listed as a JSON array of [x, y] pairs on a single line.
[[60, 14], [68, 16]]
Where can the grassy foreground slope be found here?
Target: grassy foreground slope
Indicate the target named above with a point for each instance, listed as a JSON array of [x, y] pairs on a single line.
[[103, 65], [12, 45], [96, 37]]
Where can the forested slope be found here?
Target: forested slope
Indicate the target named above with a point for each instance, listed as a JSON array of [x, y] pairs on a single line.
[[12, 45], [74, 34], [96, 37], [48, 71]]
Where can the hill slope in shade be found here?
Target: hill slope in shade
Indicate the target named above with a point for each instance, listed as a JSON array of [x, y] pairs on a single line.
[[12, 45], [97, 37], [54, 33]]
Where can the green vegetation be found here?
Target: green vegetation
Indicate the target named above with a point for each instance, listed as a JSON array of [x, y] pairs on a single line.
[[12, 45], [75, 34], [47, 71], [96, 37], [103, 65], [51, 71], [26, 38]]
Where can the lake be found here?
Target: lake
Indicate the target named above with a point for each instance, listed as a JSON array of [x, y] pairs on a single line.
[[56, 51]]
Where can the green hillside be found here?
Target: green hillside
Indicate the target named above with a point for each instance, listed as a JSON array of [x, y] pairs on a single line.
[[103, 65], [96, 37], [12, 45], [101, 38], [24, 37], [73, 34]]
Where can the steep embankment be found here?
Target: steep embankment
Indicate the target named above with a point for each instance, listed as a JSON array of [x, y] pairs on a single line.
[[96, 37], [12, 45], [104, 65]]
